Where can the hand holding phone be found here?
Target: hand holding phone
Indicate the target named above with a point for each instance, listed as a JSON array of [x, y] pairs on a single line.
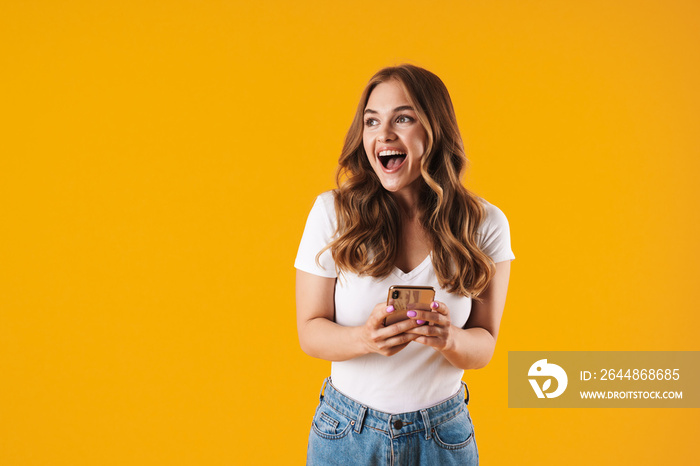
[[406, 298]]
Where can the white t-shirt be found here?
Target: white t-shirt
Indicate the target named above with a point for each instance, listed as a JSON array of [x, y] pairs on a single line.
[[418, 376]]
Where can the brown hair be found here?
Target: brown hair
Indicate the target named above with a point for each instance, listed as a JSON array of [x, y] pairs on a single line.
[[368, 216]]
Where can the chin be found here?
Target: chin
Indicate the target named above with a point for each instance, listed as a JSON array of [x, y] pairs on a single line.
[[392, 188], [399, 185]]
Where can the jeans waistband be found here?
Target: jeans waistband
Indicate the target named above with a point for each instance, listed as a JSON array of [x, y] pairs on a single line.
[[394, 425]]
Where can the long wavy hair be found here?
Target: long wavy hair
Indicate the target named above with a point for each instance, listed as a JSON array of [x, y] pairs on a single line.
[[369, 222]]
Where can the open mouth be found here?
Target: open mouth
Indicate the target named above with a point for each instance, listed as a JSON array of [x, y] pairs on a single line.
[[391, 159]]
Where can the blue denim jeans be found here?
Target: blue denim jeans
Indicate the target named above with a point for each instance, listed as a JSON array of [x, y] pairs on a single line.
[[346, 432]]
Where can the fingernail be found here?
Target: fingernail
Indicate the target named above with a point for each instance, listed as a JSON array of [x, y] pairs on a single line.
[[411, 313], [434, 305], [390, 309], [420, 322]]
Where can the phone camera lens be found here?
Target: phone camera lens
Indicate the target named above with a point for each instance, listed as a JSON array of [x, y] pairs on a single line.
[[395, 294]]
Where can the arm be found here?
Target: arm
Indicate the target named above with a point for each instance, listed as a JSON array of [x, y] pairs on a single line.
[[470, 347], [321, 337]]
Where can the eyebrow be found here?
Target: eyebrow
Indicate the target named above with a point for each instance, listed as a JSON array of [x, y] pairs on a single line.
[[397, 109]]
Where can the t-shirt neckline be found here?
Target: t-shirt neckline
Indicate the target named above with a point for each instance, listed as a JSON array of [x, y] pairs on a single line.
[[418, 269]]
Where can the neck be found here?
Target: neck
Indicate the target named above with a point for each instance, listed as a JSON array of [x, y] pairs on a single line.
[[407, 200]]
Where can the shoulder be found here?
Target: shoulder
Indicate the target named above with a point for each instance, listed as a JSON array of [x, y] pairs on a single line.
[[318, 233], [493, 218], [493, 234], [327, 199], [322, 215], [324, 206]]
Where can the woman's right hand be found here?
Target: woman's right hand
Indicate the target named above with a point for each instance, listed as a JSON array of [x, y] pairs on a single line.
[[321, 337], [387, 340]]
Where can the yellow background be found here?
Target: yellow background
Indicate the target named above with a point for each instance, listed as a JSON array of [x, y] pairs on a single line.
[[158, 161]]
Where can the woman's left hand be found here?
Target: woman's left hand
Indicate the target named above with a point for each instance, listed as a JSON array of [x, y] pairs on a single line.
[[436, 331]]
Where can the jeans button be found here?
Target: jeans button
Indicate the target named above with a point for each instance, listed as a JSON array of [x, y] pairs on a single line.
[[398, 424]]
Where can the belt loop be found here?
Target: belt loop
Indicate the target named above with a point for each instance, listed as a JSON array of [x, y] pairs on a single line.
[[360, 419], [426, 421], [323, 388], [466, 393]]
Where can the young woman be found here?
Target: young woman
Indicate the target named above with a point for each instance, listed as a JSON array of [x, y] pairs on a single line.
[[400, 216]]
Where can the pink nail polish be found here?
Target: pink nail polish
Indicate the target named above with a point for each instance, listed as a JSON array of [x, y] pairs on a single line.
[[390, 309], [420, 322], [411, 313], [434, 305]]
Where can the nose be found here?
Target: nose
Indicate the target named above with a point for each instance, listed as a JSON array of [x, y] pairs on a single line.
[[386, 134]]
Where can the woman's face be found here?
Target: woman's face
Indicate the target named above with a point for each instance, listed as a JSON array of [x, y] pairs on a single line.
[[393, 137]]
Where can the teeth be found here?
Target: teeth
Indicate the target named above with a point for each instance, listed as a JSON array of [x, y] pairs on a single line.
[[386, 153]]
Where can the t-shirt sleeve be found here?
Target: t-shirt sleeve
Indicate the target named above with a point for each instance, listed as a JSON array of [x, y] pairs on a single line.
[[319, 231], [494, 235]]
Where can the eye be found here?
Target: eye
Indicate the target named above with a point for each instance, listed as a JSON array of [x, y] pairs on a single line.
[[404, 119], [371, 122]]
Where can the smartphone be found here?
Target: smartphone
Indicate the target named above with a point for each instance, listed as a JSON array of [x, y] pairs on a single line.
[[405, 298]]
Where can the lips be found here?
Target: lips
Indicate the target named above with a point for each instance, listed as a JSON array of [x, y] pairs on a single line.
[[391, 159]]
